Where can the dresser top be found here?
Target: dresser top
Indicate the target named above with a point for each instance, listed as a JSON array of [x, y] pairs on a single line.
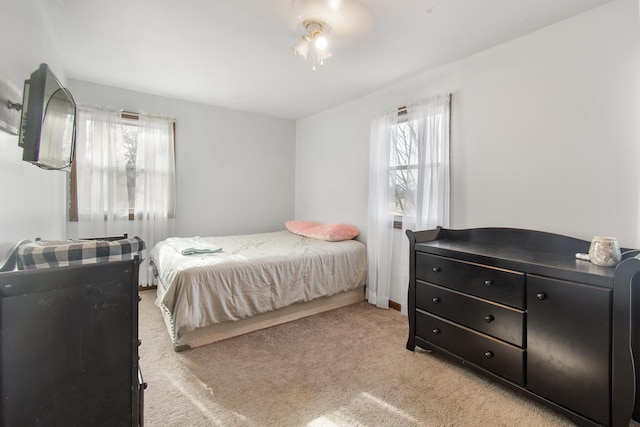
[[527, 251]]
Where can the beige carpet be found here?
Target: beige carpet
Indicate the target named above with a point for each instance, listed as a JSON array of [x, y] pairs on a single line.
[[347, 367]]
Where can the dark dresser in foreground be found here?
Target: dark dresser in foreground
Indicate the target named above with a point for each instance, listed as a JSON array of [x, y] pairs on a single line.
[[518, 306], [69, 336]]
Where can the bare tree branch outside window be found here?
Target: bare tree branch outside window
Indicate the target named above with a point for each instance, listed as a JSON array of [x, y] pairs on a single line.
[[403, 163]]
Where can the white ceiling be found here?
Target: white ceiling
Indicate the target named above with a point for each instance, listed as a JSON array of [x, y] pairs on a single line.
[[238, 53]]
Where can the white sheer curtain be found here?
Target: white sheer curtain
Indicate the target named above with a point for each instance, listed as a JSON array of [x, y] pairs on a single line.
[[155, 185], [101, 173], [103, 200], [421, 189]]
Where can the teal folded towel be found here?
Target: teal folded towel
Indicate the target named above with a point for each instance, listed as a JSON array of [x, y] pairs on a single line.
[[192, 245], [193, 251]]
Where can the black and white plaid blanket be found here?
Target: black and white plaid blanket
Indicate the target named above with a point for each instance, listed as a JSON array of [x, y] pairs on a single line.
[[46, 254]]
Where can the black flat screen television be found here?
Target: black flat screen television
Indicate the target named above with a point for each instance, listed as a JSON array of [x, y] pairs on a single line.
[[48, 123]]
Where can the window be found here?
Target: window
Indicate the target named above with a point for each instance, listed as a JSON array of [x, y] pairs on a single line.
[[129, 149], [404, 160], [118, 164]]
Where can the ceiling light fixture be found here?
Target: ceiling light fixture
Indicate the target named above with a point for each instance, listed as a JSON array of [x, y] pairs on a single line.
[[313, 43]]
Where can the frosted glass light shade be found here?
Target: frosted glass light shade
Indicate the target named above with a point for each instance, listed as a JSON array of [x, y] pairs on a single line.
[[302, 47]]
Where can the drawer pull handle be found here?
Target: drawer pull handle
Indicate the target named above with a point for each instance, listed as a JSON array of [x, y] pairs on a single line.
[[488, 282], [436, 331], [436, 300], [489, 318], [436, 269], [488, 354], [542, 296]]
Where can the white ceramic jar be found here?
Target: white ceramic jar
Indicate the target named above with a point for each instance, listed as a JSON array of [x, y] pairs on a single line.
[[605, 251]]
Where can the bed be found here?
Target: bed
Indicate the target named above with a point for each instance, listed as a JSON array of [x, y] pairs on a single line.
[[213, 288]]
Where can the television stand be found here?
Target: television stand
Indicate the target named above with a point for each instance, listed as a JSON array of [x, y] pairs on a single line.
[[69, 346]]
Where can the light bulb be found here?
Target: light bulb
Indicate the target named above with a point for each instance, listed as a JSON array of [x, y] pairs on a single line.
[[321, 42]]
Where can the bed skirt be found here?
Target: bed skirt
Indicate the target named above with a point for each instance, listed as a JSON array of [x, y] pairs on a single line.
[[222, 331]]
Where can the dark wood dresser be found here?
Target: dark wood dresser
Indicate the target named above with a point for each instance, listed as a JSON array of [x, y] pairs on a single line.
[[69, 346], [518, 306]]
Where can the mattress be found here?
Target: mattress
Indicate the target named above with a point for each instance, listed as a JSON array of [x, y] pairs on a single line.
[[247, 275]]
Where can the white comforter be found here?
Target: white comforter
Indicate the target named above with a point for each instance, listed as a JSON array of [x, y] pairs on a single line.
[[252, 274]]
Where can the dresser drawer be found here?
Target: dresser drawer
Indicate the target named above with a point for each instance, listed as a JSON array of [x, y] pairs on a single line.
[[492, 319], [503, 286], [496, 356]]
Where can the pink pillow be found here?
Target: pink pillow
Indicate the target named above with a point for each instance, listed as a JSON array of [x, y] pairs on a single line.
[[317, 230]]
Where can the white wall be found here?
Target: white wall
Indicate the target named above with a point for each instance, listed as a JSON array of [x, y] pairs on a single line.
[[332, 158], [235, 170], [544, 135], [33, 200]]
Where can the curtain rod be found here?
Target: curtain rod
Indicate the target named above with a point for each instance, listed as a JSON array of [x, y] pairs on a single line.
[[125, 114]]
